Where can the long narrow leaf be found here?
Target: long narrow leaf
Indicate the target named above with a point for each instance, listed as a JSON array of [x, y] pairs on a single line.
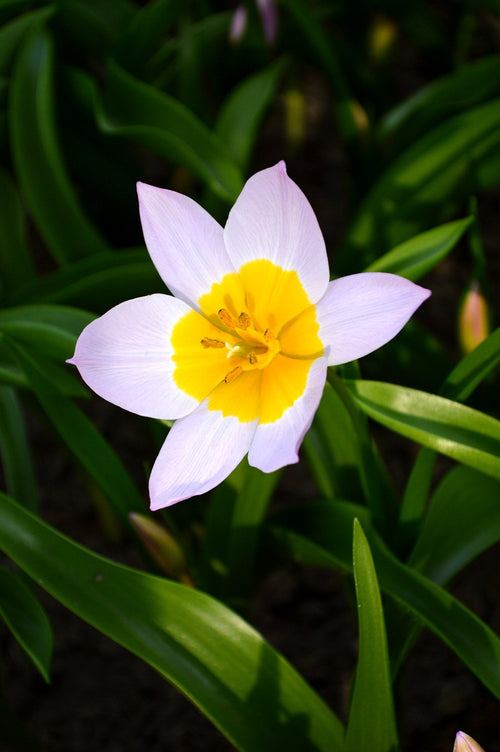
[[419, 255], [37, 159], [319, 534], [226, 668], [464, 434], [372, 722], [26, 620], [15, 450], [83, 439]]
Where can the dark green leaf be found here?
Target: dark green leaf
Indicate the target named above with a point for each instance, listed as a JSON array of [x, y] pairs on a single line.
[[96, 283], [319, 534], [135, 110], [26, 620], [463, 521], [16, 265], [226, 668], [37, 159], [84, 440], [424, 185], [51, 329], [15, 451], [242, 112]]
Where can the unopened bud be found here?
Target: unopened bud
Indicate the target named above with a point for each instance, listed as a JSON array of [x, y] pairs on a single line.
[[465, 743], [162, 546], [238, 24], [473, 319], [382, 37]]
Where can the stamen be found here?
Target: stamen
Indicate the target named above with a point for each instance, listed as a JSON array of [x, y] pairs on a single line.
[[232, 375], [268, 335], [252, 358], [226, 319], [244, 320], [206, 342]]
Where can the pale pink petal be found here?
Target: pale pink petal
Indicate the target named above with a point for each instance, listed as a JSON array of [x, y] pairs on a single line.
[[199, 452], [277, 444], [185, 243], [125, 356], [272, 219], [360, 313]]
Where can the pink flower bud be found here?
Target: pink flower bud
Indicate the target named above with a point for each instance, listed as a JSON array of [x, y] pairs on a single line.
[[473, 319], [465, 743]]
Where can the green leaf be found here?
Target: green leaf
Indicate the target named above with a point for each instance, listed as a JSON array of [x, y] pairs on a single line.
[[232, 535], [37, 159], [318, 534], [26, 620], [51, 329], [424, 185], [419, 255], [16, 265], [334, 455], [473, 368], [466, 87], [146, 32], [372, 722], [242, 112], [320, 44], [96, 283], [132, 109], [15, 450], [83, 439], [12, 33], [215, 658], [458, 385], [463, 521], [464, 434], [95, 25]]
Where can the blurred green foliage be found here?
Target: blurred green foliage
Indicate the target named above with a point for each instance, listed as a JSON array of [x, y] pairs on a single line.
[[95, 96]]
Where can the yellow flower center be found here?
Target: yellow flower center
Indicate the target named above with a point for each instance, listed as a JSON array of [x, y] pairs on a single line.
[[251, 347]]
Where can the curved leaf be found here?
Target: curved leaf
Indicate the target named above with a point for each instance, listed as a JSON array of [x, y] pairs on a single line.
[[26, 620], [16, 265], [319, 534], [96, 283], [132, 109], [243, 110], [463, 521], [83, 439], [424, 185], [226, 668], [419, 255], [464, 434], [51, 329], [15, 450], [37, 158]]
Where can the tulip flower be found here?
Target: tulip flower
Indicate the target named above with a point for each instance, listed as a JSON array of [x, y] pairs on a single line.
[[238, 354], [465, 743]]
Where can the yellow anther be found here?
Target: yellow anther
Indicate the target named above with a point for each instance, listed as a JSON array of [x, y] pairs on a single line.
[[207, 342], [226, 319], [244, 320], [252, 358], [232, 375], [268, 335]]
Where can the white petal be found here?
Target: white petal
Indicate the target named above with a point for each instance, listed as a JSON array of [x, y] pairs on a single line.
[[199, 452], [272, 219], [125, 356], [277, 444], [360, 313], [185, 243]]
